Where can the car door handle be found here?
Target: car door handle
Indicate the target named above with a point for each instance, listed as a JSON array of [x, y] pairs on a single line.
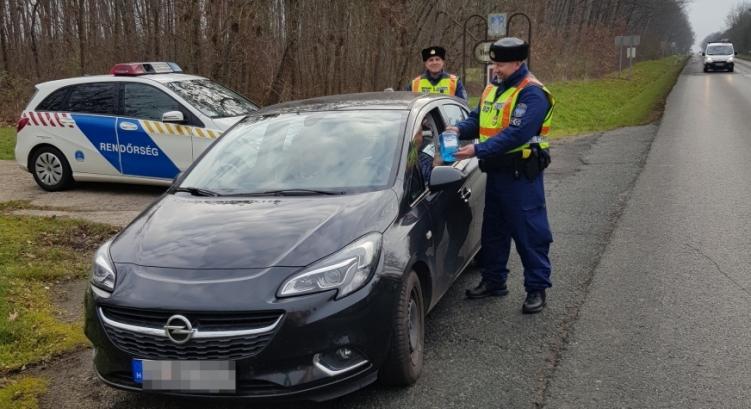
[[465, 193]]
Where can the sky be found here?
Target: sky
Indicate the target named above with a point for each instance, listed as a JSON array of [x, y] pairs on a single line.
[[708, 16]]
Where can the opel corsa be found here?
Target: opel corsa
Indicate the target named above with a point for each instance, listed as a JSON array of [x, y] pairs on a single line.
[[295, 259]]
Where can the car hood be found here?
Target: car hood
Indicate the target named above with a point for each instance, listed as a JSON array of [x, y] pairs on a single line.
[[219, 233]]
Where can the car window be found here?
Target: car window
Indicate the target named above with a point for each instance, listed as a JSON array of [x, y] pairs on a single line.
[[55, 101], [454, 113], [146, 102], [212, 99], [337, 151], [93, 98], [720, 49]]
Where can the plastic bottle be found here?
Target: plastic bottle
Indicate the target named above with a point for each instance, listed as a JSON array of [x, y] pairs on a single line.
[[449, 145]]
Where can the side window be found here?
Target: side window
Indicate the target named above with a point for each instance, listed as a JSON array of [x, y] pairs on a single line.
[[94, 98], [146, 102], [422, 156], [454, 114], [55, 101]]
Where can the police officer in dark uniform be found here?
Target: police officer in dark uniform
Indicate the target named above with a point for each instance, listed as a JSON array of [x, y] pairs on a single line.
[[434, 79], [514, 113]]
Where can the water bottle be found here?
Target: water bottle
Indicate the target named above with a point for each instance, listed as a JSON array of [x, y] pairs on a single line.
[[449, 145]]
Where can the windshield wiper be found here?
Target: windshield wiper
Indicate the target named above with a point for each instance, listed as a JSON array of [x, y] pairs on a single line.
[[289, 192], [196, 191]]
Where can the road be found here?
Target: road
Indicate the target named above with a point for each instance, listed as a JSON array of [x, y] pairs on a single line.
[[650, 304], [666, 322]]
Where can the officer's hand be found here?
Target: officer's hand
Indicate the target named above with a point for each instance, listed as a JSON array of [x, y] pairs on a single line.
[[465, 152]]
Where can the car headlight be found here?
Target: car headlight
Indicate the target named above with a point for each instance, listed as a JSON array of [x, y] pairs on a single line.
[[103, 272], [730, 59], [347, 270], [707, 59]]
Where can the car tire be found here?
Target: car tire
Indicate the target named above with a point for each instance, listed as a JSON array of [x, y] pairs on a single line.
[[405, 359], [731, 69], [50, 169], [706, 69]]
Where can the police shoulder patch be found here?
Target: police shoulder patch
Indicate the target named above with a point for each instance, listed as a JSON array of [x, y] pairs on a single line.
[[520, 110]]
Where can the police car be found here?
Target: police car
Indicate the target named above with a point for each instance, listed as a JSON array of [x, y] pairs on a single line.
[[143, 123]]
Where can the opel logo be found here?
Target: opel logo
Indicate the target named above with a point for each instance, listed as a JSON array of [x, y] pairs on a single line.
[[178, 329]]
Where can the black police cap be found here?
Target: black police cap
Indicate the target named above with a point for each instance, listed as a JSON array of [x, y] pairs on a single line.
[[432, 52], [509, 49]]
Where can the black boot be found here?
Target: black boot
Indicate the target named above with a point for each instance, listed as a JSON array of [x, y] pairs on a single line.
[[534, 303], [487, 289]]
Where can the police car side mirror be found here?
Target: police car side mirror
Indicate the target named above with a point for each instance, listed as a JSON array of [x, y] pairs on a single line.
[[445, 178], [173, 116]]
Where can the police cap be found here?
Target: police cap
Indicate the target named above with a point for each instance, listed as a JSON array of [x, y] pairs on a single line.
[[509, 49], [432, 52]]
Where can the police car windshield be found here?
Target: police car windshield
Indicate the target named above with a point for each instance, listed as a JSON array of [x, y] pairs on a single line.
[[303, 153], [719, 50], [212, 99]]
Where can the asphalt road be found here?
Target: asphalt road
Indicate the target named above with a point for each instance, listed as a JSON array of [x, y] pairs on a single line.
[[667, 323], [651, 293]]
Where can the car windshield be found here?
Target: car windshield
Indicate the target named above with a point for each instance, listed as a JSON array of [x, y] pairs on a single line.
[[212, 99], [330, 152], [719, 50]]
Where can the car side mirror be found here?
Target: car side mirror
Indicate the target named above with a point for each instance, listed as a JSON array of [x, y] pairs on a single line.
[[702, 54], [445, 178], [173, 116], [736, 53]]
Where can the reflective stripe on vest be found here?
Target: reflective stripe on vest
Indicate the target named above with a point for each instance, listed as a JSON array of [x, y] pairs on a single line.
[[446, 86], [495, 114]]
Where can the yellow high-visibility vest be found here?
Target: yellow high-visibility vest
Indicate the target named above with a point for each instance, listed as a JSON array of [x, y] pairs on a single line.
[[495, 113], [446, 86]]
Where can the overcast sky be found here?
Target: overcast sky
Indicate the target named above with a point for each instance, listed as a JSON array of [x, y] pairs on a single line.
[[708, 16]]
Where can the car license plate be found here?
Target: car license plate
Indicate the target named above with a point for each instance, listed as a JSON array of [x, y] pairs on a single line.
[[193, 376]]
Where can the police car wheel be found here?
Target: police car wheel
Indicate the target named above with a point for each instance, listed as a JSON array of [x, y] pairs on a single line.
[[51, 170], [404, 363]]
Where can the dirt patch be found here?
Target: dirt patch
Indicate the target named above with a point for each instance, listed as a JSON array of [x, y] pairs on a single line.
[[67, 296]]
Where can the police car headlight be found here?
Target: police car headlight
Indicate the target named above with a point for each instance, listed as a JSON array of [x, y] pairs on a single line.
[[103, 272], [347, 270]]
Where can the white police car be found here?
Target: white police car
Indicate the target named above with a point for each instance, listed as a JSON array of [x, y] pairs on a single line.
[[719, 56], [144, 123]]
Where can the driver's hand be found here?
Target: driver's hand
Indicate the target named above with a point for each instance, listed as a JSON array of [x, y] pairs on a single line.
[[453, 128]]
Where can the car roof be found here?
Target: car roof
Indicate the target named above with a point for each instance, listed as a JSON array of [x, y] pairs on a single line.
[[386, 100], [160, 78]]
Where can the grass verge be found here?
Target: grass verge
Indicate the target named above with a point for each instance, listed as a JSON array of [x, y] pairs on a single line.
[[35, 254], [7, 143], [637, 98], [21, 393]]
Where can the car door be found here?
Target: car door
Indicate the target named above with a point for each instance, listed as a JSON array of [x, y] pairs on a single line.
[[472, 193], [89, 141], [153, 148], [447, 210]]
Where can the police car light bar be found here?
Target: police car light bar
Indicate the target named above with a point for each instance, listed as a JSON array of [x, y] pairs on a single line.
[[142, 68]]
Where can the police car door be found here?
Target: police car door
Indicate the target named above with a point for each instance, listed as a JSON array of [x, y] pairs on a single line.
[[149, 146], [86, 133]]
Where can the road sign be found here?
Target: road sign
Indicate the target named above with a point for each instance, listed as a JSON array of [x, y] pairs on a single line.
[[482, 51], [496, 25], [627, 41]]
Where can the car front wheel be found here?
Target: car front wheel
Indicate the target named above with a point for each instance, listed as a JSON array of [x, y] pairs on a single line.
[[51, 170], [404, 363]]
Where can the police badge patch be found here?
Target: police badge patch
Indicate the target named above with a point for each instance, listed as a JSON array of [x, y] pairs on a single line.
[[520, 110]]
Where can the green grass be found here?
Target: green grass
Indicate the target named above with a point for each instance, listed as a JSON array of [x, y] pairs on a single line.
[[36, 252], [7, 142], [21, 393], [598, 105]]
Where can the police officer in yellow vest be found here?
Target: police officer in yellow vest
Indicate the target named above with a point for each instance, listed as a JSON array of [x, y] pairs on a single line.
[[513, 116], [434, 79]]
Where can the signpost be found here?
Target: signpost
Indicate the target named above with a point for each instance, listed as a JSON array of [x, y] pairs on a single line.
[[630, 42], [497, 25], [482, 52]]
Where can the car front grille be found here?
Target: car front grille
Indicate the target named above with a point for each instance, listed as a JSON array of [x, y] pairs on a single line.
[[140, 334]]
